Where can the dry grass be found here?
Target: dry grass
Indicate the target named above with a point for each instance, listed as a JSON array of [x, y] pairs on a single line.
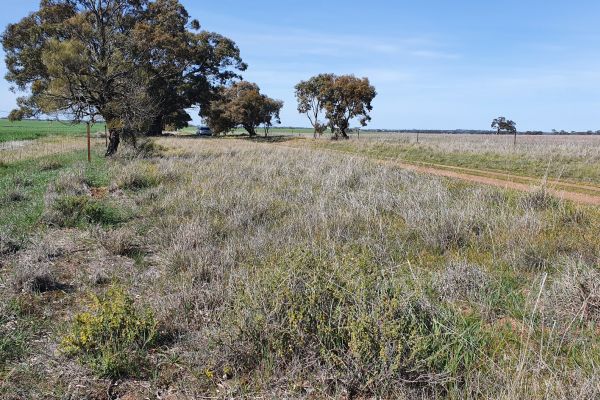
[[586, 147], [35, 149], [274, 272], [571, 158]]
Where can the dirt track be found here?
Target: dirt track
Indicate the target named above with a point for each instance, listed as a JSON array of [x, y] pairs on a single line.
[[491, 178]]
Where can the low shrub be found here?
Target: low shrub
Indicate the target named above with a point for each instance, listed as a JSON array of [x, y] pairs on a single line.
[[361, 324], [113, 337]]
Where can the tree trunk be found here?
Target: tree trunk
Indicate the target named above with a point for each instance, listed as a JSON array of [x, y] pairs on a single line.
[[156, 128], [250, 129], [344, 134], [114, 138], [334, 133]]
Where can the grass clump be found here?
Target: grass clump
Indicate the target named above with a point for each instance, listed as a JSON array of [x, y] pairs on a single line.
[[145, 148], [138, 176], [14, 196], [366, 326], [573, 299], [9, 243], [122, 241], [69, 201], [463, 282], [539, 199], [36, 278], [51, 165], [113, 337], [17, 330], [72, 211]]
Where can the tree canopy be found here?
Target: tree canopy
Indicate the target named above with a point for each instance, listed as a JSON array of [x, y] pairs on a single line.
[[311, 97], [501, 124], [137, 64], [340, 98], [242, 104]]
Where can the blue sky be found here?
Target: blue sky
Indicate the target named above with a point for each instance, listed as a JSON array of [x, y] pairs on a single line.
[[436, 64]]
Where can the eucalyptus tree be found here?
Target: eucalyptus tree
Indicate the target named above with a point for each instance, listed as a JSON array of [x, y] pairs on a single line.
[[242, 104], [339, 98], [138, 64], [347, 98], [501, 124], [311, 98], [505, 125]]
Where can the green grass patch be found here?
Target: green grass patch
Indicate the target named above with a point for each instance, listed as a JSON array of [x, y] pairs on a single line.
[[73, 211], [32, 129], [31, 179], [18, 327]]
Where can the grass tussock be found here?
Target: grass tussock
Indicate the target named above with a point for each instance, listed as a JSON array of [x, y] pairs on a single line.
[[9, 243], [463, 282], [121, 241], [140, 175], [573, 298], [142, 149], [69, 203], [71, 211], [36, 278]]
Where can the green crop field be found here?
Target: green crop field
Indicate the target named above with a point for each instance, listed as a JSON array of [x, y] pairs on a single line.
[[33, 129]]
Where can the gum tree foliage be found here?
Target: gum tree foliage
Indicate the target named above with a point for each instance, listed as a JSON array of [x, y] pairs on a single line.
[[311, 97], [501, 124], [341, 98], [137, 64], [242, 104], [349, 97]]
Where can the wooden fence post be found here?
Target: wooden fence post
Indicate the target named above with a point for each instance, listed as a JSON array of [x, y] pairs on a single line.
[[89, 142]]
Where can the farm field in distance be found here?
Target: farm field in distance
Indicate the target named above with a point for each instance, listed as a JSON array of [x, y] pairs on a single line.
[[287, 267], [34, 129], [566, 158]]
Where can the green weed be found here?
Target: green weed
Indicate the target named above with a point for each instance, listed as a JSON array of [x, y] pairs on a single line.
[[113, 337]]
